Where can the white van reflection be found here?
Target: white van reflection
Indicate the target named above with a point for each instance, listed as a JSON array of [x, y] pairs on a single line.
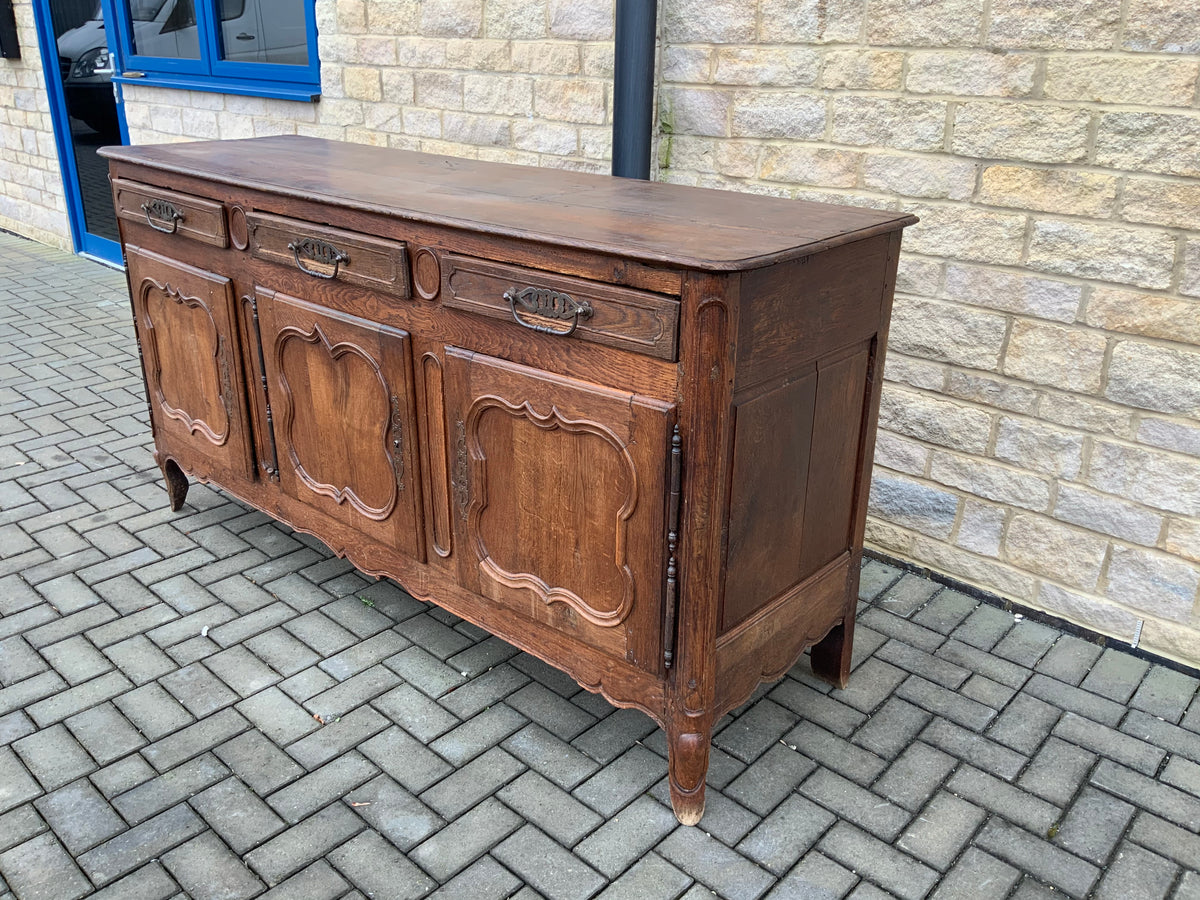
[[256, 31]]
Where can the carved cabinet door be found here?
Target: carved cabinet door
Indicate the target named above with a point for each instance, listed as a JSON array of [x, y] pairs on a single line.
[[560, 501], [184, 319], [340, 389]]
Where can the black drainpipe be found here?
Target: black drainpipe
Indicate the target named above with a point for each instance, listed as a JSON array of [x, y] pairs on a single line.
[[633, 87]]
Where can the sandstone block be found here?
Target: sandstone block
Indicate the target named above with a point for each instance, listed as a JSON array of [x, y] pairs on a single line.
[[917, 275], [595, 142], [889, 122], [351, 16], [425, 123], [687, 65], [1085, 414], [888, 537], [570, 100], [981, 527], [913, 371], [1049, 190], [362, 83], [928, 23], [812, 21], [422, 52], [383, 117], [545, 137], [780, 114], [1189, 282], [966, 233], [900, 454], [709, 21], [1160, 202], [1068, 555], [546, 57], [1027, 295], [480, 131], [391, 16], [913, 504], [504, 95], [1153, 582], [696, 111], [591, 20], [1151, 376], [1162, 25], [737, 159], [693, 154], [920, 176], [1150, 315], [508, 155], [1024, 131], [1067, 358], [480, 55], [271, 127], [399, 86], [947, 332], [1183, 538], [1180, 435], [1171, 640], [1138, 256], [1167, 143], [935, 421], [800, 164], [1164, 481], [597, 60], [515, 19], [991, 481], [1108, 79], [995, 392], [439, 89], [1107, 515], [1053, 25], [991, 575], [767, 66], [452, 18], [1088, 611], [873, 70], [978, 73], [1039, 447]]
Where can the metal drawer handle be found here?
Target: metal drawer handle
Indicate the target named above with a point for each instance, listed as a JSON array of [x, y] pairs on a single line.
[[318, 251], [162, 210], [547, 304]]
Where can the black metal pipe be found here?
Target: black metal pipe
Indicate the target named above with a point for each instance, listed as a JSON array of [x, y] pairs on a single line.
[[633, 87]]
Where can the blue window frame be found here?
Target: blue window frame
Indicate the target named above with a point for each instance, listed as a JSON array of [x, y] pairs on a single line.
[[263, 48]]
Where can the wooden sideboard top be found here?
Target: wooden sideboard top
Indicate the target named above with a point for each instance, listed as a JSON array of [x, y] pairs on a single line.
[[670, 224]]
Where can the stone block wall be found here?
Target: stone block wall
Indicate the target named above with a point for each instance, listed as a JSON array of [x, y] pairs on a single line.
[[1040, 426], [32, 201]]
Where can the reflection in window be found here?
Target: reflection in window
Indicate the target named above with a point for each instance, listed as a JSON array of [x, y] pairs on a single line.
[[165, 28], [265, 31]]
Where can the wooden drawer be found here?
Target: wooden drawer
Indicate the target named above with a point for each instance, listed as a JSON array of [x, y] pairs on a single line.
[[562, 305], [171, 212], [329, 253]]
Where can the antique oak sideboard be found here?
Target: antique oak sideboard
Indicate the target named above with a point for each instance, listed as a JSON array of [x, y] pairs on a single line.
[[625, 426]]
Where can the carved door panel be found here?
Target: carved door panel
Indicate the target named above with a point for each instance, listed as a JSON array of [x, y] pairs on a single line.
[[341, 397], [559, 498], [185, 326]]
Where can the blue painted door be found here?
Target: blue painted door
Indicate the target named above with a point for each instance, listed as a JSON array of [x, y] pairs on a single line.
[[79, 57]]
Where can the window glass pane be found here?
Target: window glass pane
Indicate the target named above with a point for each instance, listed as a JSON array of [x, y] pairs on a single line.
[[165, 28], [270, 31]]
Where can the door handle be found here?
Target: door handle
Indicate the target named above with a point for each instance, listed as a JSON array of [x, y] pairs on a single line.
[[245, 37]]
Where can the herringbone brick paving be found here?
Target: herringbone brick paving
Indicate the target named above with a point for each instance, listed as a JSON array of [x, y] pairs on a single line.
[[207, 705]]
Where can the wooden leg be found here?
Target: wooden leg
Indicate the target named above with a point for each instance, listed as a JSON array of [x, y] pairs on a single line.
[[831, 654], [687, 756], [177, 484]]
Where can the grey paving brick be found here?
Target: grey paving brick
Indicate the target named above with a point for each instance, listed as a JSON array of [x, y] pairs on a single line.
[[974, 748], [894, 726], [753, 732], [875, 577], [915, 775], [79, 816], [189, 626], [917, 662], [300, 845], [261, 634], [40, 869], [549, 807], [192, 650], [23, 693], [68, 594], [150, 882], [904, 876], [415, 712], [19, 825], [1068, 873], [990, 693], [617, 784], [316, 882], [478, 734], [489, 653], [724, 819], [14, 726], [180, 591], [320, 633], [551, 757], [139, 658], [1093, 825], [54, 757], [941, 830], [309, 793], [278, 717], [378, 869], [19, 661], [827, 711], [1115, 675], [856, 804], [786, 834], [976, 875], [459, 844], [1166, 838], [1002, 798], [1165, 693], [541, 705], [340, 698], [614, 734], [1024, 723], [945, 611], [237, 814], [770, 778], [984, 627], [68, 626], [118, 565], [872, 684], [427, 632], [130, 849], [830, 750], [1136, 874], [17, 622], [157, 794], [1127, 750], [241, 670], [1161, 799], [338, 736], [1162, 734], [193, 740], [394, 812], [1069, 659], [122, 775], [72, 700], [1057, 770], [393, 750], [484, 879], [910, 633], [258, 762], [815, 876], [465, 787], [948, 704], [364, 654], [551, 870], [207, 870], [153, 711]]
